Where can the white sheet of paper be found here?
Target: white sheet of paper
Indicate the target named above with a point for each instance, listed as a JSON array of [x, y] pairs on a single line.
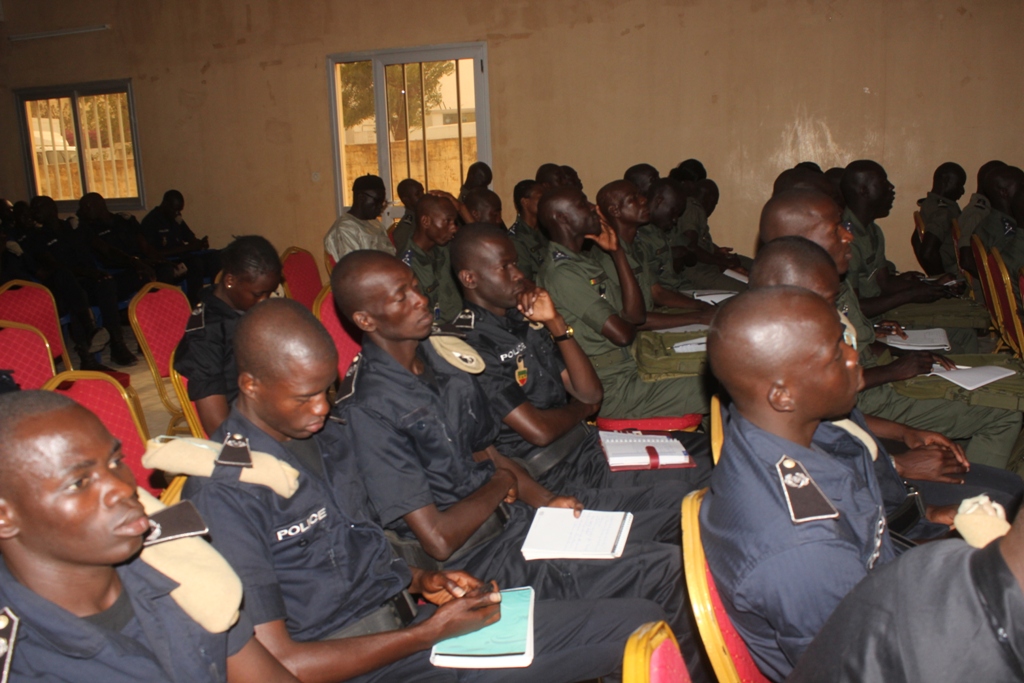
[[696, 327], [709, 296], [920, 340], [736, 276], [691, 345], [972, 378], [556, 534]]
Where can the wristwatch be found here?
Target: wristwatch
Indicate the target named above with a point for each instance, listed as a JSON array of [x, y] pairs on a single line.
[[569, 334]]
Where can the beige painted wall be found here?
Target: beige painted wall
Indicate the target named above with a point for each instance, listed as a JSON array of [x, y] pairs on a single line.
[[232, 99]]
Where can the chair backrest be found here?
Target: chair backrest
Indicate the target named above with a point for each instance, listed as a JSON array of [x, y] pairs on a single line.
[[118, 409], [917, 237], [683, 423], [301, 276], [172, 494], [652, 656], [717, 428], [24, 350], [188, 407], [159, 314], [729, 655], [1002, 293], [329, 263], [955, 230], [32, 304], [347, 343], [985, 275]]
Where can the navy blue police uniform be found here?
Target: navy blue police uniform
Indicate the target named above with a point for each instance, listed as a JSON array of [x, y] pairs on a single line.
[[206, 354], [414, 439], [163, 232], [318, 561], [149, 638]]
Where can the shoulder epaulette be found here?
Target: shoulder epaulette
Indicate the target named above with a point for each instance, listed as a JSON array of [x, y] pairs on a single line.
[[465, 320], [407, 257], [559, 255], [806, 502], [8, 634], [197, 320], [457, 353], [347, 387]]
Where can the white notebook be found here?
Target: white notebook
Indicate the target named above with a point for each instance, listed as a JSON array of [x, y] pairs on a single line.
[[736, 275], [682, 329], [972, 378], [691, 345], [626, 451], [920, 340], [595, 535], [709, 296]]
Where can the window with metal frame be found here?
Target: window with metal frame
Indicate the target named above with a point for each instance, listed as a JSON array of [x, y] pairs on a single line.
[[82, 138], [416, 113]]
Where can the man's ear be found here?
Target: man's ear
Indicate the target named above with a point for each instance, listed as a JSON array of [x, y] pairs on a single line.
[[468, 278], [248, 384], [364, 321], [613, 210], [9, 525], [780, 398]]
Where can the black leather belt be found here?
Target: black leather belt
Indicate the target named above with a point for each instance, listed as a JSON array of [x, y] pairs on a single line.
[[397, 612], [543, 459]]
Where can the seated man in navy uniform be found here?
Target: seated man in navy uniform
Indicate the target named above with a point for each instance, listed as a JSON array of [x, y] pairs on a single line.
[[945, 612], [169, 236], [795, 515], [77, 600], [423, 435], [937, 466], [531, 360], [205, 355], [327, 594]]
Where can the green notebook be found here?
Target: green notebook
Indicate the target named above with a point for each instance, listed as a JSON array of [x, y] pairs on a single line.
[[507, 643]]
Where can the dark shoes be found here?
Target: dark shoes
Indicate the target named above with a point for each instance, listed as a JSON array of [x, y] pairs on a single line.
[[121, 355]]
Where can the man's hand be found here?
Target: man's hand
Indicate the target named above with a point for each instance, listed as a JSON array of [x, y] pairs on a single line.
[[889, 327], [442, 587], [481, 607], [941, 514], [607, 240], [536, 306], [926, 294], [931, 463], [566, 502], [919, 438], [917, 363], [513, 484]]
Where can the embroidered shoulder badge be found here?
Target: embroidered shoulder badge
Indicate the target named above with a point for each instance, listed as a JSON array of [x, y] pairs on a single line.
[[521, 372], [8, 634], [559, 256], [235, 451], [466, 320], [197, 320], [407, 257], [806, 502]]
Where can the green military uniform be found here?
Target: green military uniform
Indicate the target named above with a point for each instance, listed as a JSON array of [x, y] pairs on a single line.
[[434, 271], [530, 246], [959, 317], [992, 431], [587, 295], [401, 234], [1000, 231], [702, 275], [977, 208], [653, 243], [938, 214]]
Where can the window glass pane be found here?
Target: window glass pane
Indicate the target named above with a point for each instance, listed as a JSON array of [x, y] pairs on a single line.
[[105, 142], [357, 124], [54, 152], [444, 148], [467, 112]]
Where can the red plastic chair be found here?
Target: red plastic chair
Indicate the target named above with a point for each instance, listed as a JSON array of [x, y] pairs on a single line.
[[158, 314], [301, 276], [25, 350], [32, 304], [729, 655], [1002, 293], [118, 409], [347, 344], [652, 656]]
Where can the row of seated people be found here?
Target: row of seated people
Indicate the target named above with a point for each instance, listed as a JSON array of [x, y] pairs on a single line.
[[98, 259], [410, 446]]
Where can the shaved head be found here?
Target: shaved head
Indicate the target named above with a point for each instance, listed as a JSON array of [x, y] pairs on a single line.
[[464, 249], [801, 178], [773, 349], [550, 174], [641, 175], [612, 194], [565, 211], [430, 205], [796, 262], [792, 212], [276, 333], [359, 276], [16, 408]]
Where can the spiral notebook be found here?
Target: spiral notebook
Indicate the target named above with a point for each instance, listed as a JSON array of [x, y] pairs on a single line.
[[626, 451]]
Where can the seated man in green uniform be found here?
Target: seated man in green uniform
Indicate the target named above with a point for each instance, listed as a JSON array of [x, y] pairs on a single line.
[[606, 310], [694, 232], [665, 202], [484, 206], [936, 247], [625, 209], [427, 255], [410, 191], [905, 297], [992, 432], [641, 175], [999, 228], [526, 234], [974, 213]]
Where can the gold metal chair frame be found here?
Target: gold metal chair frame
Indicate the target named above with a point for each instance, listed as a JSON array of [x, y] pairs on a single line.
[[25, 283]]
